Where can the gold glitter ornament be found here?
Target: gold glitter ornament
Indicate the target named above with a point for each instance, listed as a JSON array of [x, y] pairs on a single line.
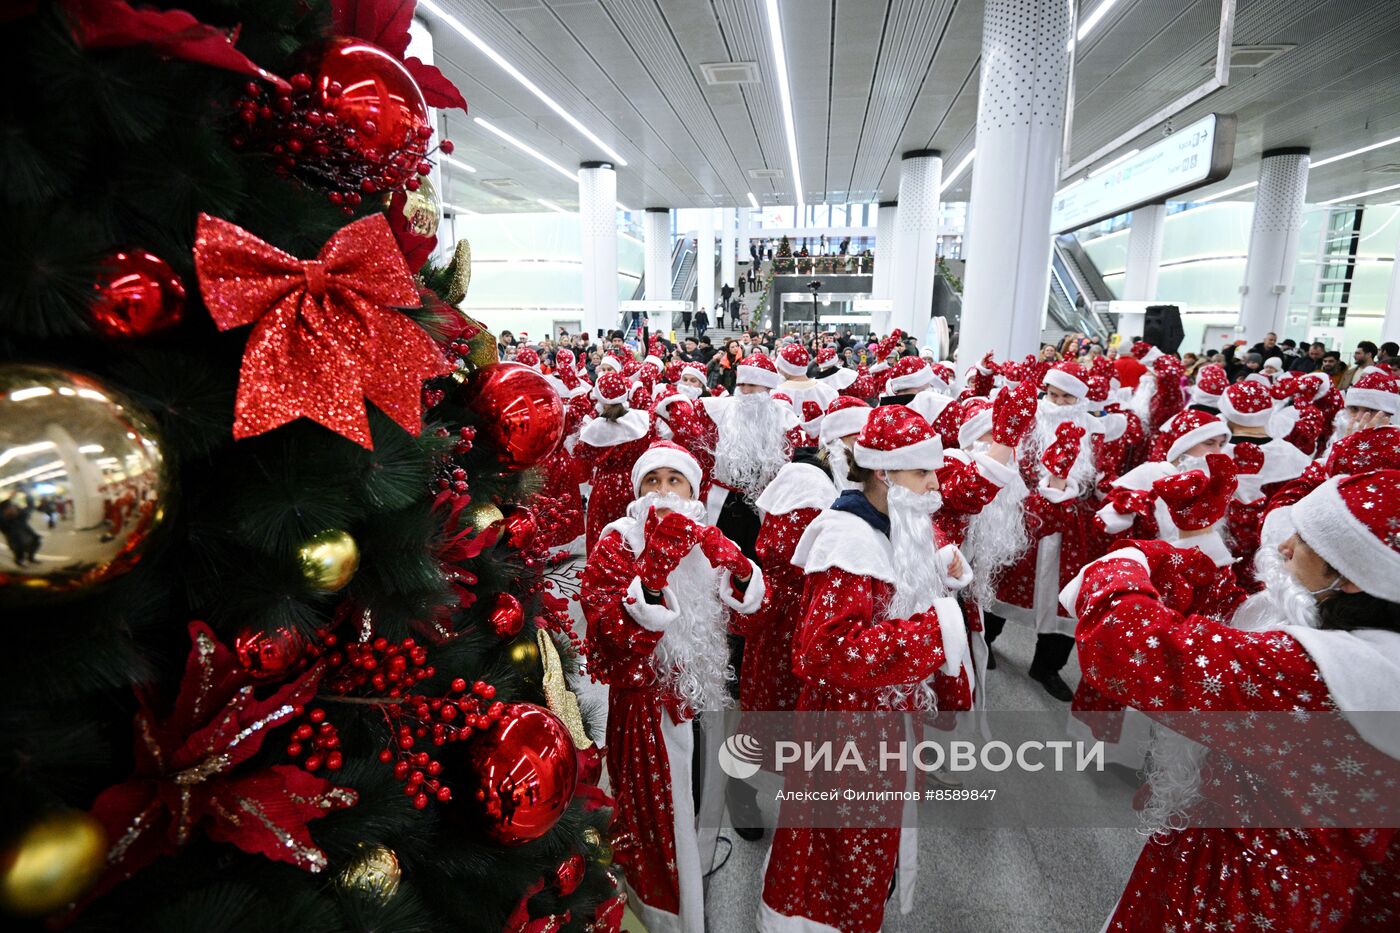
[[329, 559], [53, 863], [524, 657], [481, 515], [599, 849], [561, 700], [374, 873], [422, 209], [459, 273]]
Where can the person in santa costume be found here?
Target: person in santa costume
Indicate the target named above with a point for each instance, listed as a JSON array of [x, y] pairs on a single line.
[[657, 595], [607, 448], [837, 436], [830, 371], [793, 362], [1375, 391], [913, 382], [559, 503], [1211, 383], [1322, 636], [880, 630], [1059, 470]]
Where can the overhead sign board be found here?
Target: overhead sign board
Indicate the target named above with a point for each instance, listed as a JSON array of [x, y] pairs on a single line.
[[1191, 157]]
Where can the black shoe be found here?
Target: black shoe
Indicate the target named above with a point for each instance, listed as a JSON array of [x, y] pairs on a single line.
[[991, 660], [749, 833], [1054, 685]]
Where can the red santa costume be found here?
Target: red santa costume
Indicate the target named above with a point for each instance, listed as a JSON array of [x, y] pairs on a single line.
[[1375, 390], [606, 450], [843, 419], [792, 362], [877, 631], [561, 495], [1144, 382], [750, 436], [656, 594], [1167, 396], [1288, 649], [831, 373], [1211, 383], [915, 383]]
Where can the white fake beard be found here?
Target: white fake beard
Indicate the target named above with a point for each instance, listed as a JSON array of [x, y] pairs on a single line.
[[840, 460], [1285, 595], [692, 657], [1141, 402], [752, 444], [995, 538], [1340, 426], [1048, 417], [1188, 462], [638, 508], [917, 581], [1174, 773], [690, 390]]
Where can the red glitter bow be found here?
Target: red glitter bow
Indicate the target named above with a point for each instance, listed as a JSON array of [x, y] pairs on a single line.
[[323, 339]]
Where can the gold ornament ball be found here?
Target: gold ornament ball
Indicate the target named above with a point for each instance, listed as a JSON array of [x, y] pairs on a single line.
[[329, 559], [422, 209], [375, 873], [53, 863], [599, 848], [482, 515], [86, 483], [524, 656]]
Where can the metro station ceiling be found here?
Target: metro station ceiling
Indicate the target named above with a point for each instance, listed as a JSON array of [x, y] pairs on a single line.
[[874, 78]]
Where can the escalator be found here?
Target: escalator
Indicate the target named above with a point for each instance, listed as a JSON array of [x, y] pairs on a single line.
[[1081, 284]]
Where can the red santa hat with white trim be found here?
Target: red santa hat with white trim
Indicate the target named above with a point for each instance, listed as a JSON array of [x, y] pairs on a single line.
[[1377, 390], [613, 389], [793, 360], [896, 437], [845, 415], [943, 375], [528, 357], [976, 420], [1145, 352], [1248, 403], [812, 416], [610, 362], [757, 371], [827, 359], [1211, 381], [1312, 386], [666, 454], [1352, 523], [1068, 376], [909, 374], [1190, 427]]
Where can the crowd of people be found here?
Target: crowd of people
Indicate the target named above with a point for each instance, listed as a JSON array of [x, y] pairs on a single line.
[[830, 523]]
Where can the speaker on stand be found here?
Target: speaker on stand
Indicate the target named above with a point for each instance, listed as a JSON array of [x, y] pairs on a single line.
[[1162, 327]]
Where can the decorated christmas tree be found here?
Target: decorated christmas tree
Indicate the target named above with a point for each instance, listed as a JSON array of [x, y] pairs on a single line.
[[284, 651], [782, 259]]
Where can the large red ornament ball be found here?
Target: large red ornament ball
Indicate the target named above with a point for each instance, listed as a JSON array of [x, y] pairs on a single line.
[[514, 780], [518, 527], [507, 617], [372, 93], [520, 415], [137, 294]]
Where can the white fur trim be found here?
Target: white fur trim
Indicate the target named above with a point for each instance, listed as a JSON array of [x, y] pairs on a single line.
[[610, 362], [945, 558], [651, 617], [789, 369], [770, 921], [930, 403], [1201, 397], [600, 432], [1070, 594], [924, 455], [1114, 522], [844, 422], [1255, 419], [1050, 494], [1142, 476], [1277, 528], [1211, 545], [1151, 354], [662, 405], [1374, 399], [757, 376], [1196, 436], [625, 400], [797, 486], [1066, 383], [654, 362], [839, 378], [1113, 426], [679, 460], [1362, 672], [1001, 474], [974, 427], [918, 379], [953, 631], [1282, 422], [1340, 538], [753, 594], [845, 541]]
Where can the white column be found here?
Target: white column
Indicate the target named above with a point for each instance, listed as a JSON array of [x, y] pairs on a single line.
[[916, 241], [1273, 243], [597, 223], [1020, 124], [420, 44], [705, 262], [884, 249], [1144, 258], [1390, 327], [656, 235], [727, 243]]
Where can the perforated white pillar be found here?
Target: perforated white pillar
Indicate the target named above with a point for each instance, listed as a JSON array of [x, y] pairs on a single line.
[[884, 249], [1390, 327], [726, 245], [916, 241], [1020, 123], [1144, 259], [656, 235], [705, 262], [597, 223], [1273, 243]]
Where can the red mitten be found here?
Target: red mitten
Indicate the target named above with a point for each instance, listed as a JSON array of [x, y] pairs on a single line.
[[1059, 457], [668, 540], [988, 365], [1249, 459], [1130, 501], [724, 554], [1013, 414]]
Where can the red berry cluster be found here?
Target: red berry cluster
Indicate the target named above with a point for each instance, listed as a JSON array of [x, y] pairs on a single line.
[[465, 436], [387, 668], [299, 126], [439, 720], [318, 739], [460, 350]]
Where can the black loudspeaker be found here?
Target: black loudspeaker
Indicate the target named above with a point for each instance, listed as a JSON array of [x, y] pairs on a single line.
[[1162, 327]]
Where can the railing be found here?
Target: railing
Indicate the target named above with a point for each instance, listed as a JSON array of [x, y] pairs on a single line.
[[824, 265]]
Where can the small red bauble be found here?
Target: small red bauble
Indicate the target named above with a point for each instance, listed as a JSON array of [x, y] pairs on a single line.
[[519, 527], [569, 875], [519, 414], [514, 780], [507, 618], [138, 294], [268, 655], [372, 93]]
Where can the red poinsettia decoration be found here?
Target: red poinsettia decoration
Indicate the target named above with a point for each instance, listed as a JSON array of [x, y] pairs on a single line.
[[385, 23], [187, 775]]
